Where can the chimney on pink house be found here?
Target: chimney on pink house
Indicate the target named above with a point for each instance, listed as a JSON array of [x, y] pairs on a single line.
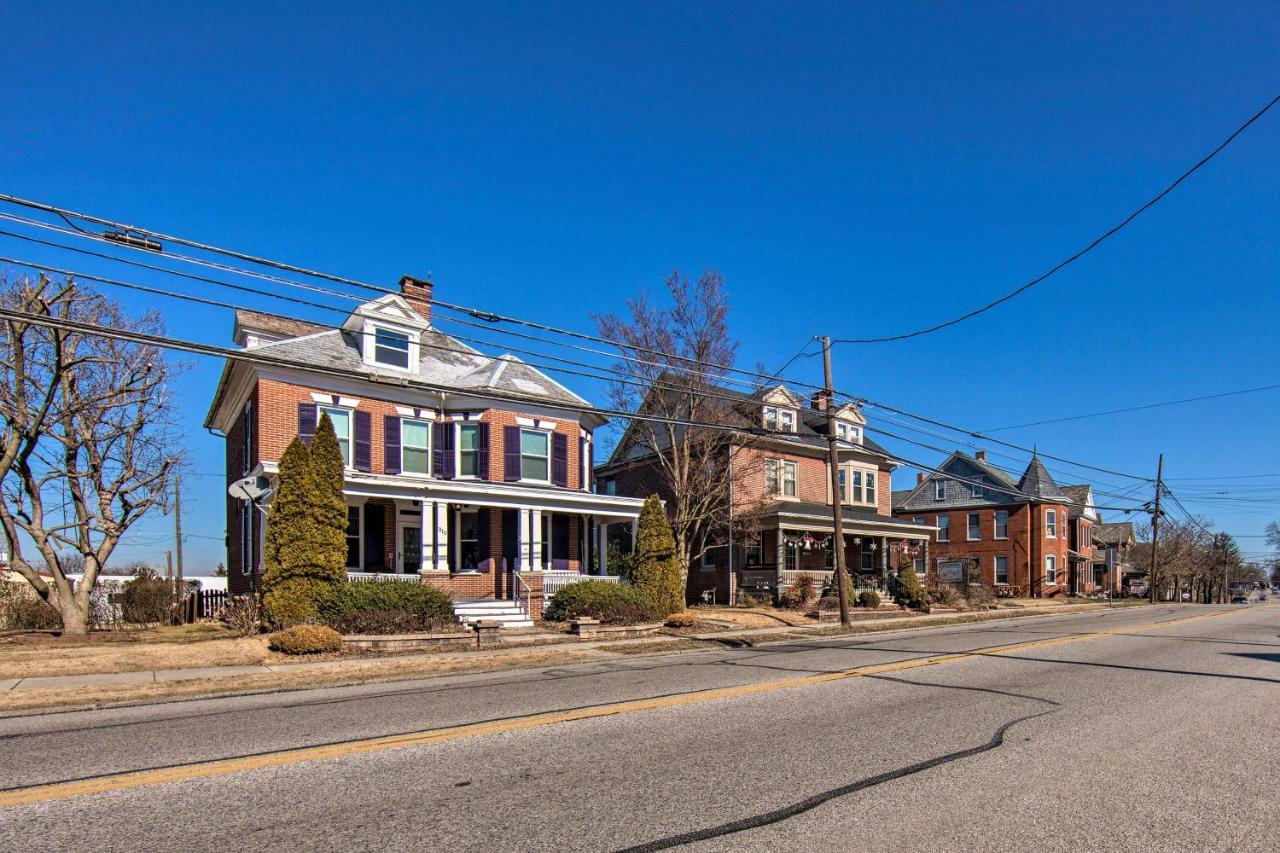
[[920, 475], [980, 455], [417, 292]]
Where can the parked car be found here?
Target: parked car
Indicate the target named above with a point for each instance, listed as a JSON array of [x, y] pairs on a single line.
[[1240, 599]]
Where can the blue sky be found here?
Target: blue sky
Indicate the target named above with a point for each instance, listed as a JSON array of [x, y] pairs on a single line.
[[852, 171]]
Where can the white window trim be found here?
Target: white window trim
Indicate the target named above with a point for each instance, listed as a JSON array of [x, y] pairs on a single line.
[[995, 524], [1051, 524], [349, 463], [995, 570], [369, 346], [968, 527], [523, 478], [457, 453], [777, 412], [944, 528], [430, 438], [1050, 560], [939, 489]]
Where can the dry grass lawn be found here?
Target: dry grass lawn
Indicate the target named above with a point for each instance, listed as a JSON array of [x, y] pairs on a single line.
[[30, 655], [755, 617]]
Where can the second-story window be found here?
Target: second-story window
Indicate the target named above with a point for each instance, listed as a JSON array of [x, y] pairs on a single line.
[[975, 526], [944, 528], [1051, 523], [469, 450], [780, 478], [1002, 524], [341, 420], [391, 348], [415, 447], [246, 429], [535, 455]]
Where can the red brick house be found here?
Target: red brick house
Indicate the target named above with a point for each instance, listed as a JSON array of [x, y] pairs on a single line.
[[782, 496], [1031, 537], [465, 471]]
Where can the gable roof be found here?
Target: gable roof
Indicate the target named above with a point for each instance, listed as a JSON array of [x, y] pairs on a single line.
[[1115, 533]]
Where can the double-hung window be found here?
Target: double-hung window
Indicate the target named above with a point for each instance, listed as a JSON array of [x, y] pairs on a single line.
[[780, 478], [415, 447], [1051, 523], [754, 551], [341, 420], [535, 455], [779, 420], [1051, 570], [944, 528], [468, 450], [1002, 524], [246, 437], [391, 348], [246, 538], [1002, 569], [939, 489], [844, 490], [975, 526], [848, 432]]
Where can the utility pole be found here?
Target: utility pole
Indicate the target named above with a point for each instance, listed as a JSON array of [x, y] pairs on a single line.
[[837, 508], [1155, 533], [177, 530]]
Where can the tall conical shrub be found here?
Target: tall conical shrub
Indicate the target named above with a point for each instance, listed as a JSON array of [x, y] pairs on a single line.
[[303, 557], [329, 505], [657, 570]]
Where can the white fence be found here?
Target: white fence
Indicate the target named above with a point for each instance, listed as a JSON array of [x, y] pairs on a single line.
[[554, 581]]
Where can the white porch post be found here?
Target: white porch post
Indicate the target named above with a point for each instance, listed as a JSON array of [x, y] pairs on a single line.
[[535, 540], [441, 512], [526, 540], [602, 543], [428, 525]]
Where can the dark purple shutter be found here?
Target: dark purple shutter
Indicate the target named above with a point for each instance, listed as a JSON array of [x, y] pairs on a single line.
[[559, 459], [482, 534], [511, 453], [306, 422], [448, 461], [437, 447], [364, 442], [591, 467], [391, 444], [482, 450]]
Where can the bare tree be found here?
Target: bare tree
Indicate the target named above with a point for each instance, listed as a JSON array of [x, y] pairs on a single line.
[[88, 446], [674, 371]]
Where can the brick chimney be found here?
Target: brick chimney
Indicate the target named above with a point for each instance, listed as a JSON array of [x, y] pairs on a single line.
[[980, 455], [417, 292], [920, 477], [818, 402]]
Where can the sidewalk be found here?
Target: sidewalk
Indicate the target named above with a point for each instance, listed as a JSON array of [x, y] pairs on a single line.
[[523, 645]]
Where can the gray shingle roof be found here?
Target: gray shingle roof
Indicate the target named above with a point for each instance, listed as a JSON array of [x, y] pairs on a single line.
[[1038, 482], [1114, 533]]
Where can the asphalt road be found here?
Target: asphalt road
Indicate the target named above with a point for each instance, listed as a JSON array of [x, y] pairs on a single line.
[[1134, 729]]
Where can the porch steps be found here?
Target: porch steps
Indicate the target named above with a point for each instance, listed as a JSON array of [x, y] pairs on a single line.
[[510, 614]]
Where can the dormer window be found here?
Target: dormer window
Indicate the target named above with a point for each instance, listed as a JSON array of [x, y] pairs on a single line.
[[778, 419], [848, 432], [391, 348], [939, 490]]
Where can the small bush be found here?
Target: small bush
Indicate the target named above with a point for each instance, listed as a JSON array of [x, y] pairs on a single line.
[[21, 609], [906, 589], [147, 599], [979, 596], [387, 607], [242, 615], [746, 599], [683, 619], [306, 640], [802, 592], [611, 603], [943, 594], [293, 601], [869, 599]]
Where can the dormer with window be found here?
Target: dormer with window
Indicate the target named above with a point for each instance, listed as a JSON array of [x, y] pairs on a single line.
[[780, 411], [388, 334], [850, 423]]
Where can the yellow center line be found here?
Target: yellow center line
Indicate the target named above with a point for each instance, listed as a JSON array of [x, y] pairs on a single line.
[[220, 767]]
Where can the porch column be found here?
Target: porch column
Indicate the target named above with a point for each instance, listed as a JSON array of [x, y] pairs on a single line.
[[522, 534], [602, 543], [781, 548], [535, 540], [884, 561], [427, 523], [441, 512]]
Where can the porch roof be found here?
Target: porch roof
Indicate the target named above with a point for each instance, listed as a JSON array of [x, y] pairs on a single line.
[[607, 508], [816, 517]]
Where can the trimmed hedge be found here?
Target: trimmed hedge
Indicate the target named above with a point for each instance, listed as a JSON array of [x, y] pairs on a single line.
[[869, 599], [305, 640], [611, 603], [387, 607]]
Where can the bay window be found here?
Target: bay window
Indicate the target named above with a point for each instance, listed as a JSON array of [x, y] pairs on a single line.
[[1051, 523], [1051, 570]]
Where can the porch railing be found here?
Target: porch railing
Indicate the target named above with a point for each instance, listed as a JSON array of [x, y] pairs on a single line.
[[556, 580], [377, 577], [520, 592]]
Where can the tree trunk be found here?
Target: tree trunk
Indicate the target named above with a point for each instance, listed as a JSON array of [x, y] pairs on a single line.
[[74, 620]]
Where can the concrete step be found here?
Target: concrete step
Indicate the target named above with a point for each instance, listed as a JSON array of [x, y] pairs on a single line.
[[510, 614]]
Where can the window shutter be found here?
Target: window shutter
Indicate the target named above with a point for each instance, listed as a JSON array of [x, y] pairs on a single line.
[[437, 447], [448, 467], [482, 534], [482, 450], [363, 449], [391, 444], [589, 450], [559, 459], [306, 422], [511, 453]]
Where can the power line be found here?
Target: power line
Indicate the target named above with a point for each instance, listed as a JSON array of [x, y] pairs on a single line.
[[1077, 255], [1200, 398]]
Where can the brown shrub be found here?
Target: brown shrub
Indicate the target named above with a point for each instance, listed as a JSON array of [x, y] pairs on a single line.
[[306, 640], [242, 615], [683, 619]]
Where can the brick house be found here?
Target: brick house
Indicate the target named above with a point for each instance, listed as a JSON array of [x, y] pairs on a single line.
[[1032, 537], [780, 521], [465, 471]]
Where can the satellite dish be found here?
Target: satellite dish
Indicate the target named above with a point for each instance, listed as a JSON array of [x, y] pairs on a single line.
[[249, 489]]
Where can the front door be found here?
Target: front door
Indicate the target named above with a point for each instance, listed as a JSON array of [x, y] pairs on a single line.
[[410, 547]]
